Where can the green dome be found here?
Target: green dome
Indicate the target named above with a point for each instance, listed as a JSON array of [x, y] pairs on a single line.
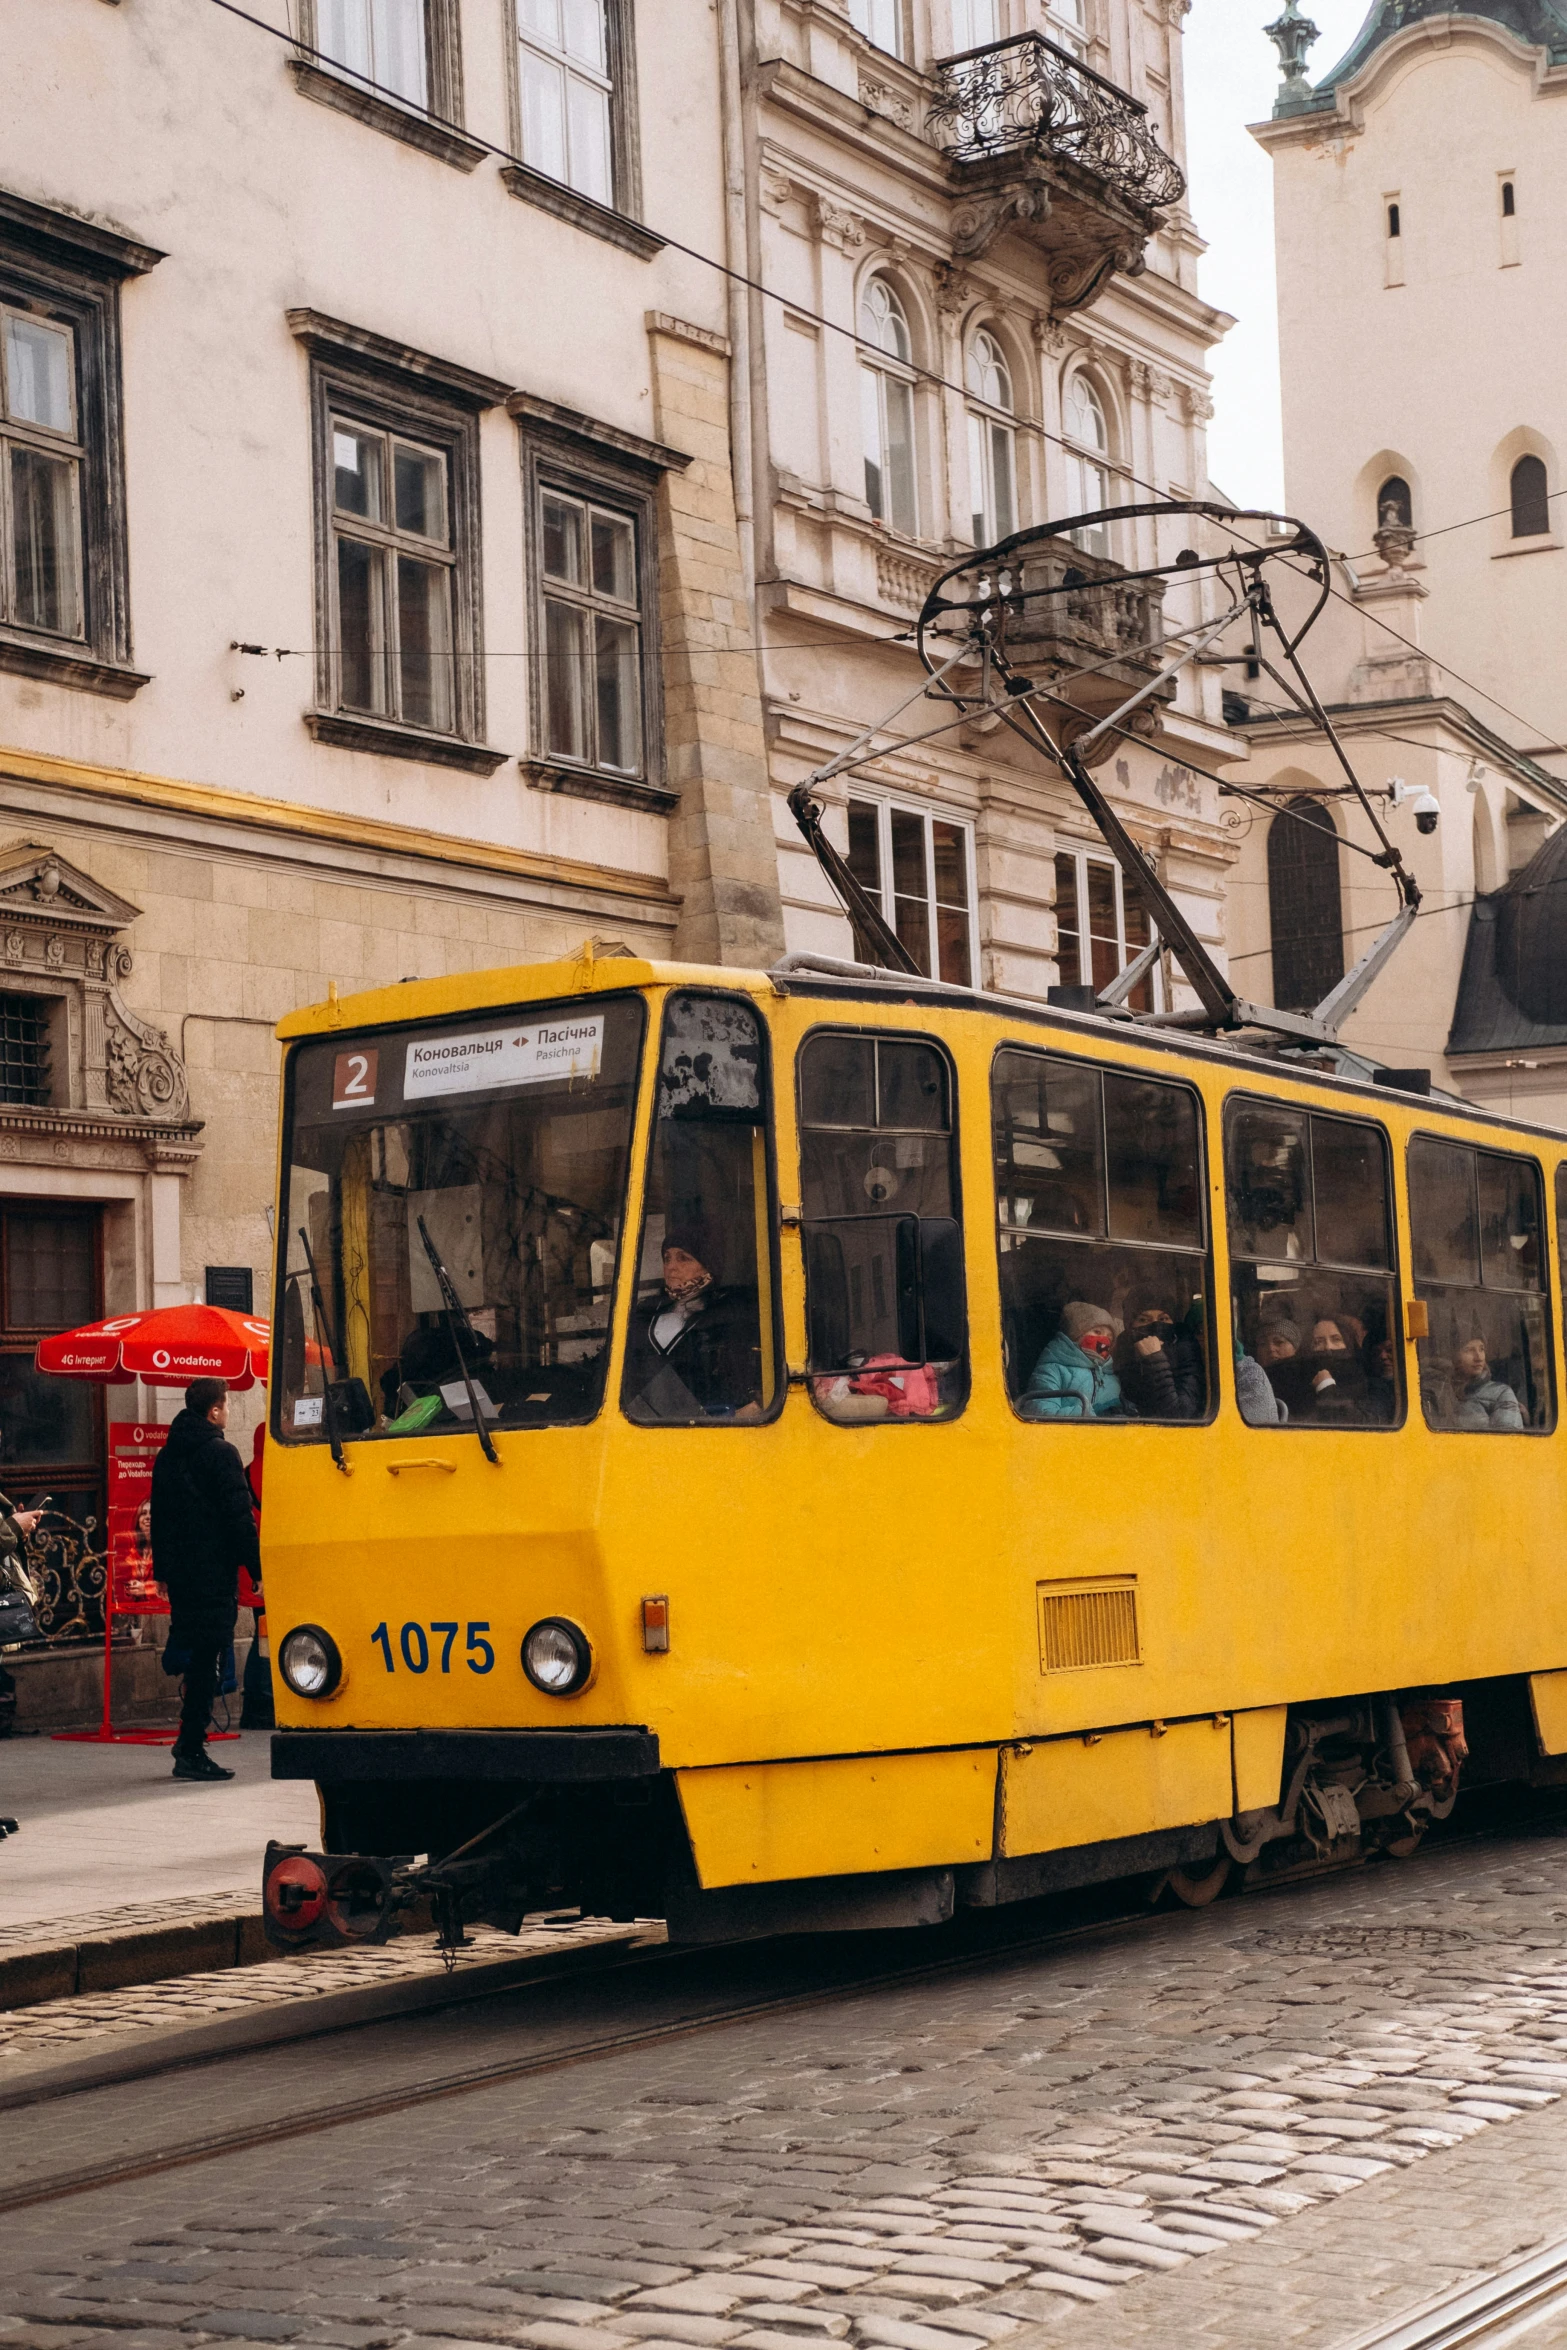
[[1540, 24]]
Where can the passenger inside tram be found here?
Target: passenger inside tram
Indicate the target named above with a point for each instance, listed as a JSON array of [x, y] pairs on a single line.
[[1311, 1243], [883, 1246], [1101, 1241], [1480, 1400], [1074, 1378], [1477, 1220], [1160, 1366]]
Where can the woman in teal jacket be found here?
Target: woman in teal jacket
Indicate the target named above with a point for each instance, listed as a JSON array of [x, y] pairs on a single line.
[[1072, 1379]]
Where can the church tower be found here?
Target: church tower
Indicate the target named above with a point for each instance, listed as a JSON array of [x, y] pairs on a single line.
[[1419, 192], [1419, 188]]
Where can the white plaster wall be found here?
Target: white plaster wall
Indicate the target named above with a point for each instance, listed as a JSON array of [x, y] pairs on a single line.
[[179, 125], [1448, 376]]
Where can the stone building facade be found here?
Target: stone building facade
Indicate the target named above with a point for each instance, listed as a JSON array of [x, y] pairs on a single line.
[[1416, 186], [436, 479], [969, 328], [373, 601]]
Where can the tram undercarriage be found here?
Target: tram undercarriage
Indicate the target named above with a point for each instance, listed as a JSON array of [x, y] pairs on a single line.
[[1363, 1777]]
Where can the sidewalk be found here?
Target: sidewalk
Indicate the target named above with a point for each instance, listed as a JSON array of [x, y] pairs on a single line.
[[107, 1828]]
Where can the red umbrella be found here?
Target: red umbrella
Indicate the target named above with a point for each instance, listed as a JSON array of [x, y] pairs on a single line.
[[168, 1347]]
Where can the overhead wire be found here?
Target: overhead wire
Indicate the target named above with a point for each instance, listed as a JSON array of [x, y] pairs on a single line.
[[930, 375], [725, 269]]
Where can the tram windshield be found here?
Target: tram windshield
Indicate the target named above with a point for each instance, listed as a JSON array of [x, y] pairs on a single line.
[[455, 1195]]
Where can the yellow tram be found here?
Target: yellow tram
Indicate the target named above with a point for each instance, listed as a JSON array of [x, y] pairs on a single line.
[[824, 1449]]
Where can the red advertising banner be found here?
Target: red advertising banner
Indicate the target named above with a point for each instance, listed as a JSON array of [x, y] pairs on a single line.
[[133, 1447]]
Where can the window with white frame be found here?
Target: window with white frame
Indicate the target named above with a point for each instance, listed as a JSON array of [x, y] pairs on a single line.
[[992, 441], [385, 42], [41, 455], [567, 93], [975, 24], [1088, 461], [393, 576], [1066, 23], [883, 21], [1101, 926], [887, 407], [590, 573], [918, 869]]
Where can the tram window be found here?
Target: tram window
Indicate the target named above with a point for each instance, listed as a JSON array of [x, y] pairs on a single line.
[[1312, 1273], [1103, 1257], [886, 1319], [459, 1188], [703, 1342], [1476, 1220]]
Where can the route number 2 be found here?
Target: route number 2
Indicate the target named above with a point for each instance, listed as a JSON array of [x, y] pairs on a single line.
[[414, 1643]]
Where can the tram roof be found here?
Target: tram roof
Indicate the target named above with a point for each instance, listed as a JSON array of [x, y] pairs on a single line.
[[591, 973]]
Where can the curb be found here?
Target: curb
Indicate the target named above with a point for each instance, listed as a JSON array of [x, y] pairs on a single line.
[[250, 2028], [144, 1954]]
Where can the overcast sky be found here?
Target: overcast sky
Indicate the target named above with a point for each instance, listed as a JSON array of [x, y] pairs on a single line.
[[1232, 74]]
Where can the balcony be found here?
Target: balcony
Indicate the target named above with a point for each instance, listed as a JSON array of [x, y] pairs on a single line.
[[1090, 642], [1044, 147]]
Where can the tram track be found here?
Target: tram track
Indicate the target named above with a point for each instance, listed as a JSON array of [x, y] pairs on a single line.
[[1507, 2308], [465, 2081], [992, 1939]]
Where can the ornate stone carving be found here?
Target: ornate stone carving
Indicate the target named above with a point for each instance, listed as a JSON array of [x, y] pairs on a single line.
[[977, 221], [837, 226], [145, 1077], [1148, 383], [62, 946], [1198, 406], [893, 105], [956, 292]]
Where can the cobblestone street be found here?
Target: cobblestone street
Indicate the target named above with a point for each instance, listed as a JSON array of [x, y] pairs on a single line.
[[1277, 2118]]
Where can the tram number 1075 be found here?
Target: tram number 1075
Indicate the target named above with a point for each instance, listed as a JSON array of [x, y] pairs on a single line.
[[415, 1643]]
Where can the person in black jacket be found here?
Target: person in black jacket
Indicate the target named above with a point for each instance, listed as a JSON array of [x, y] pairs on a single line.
[[1161, 1369], [203, 1532], [696, 1353]]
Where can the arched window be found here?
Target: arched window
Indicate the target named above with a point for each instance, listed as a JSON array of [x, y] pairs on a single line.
[[992, 442], [1088, 461], [1395, 504], [1305, 910], [887, 407], [1531, 500]]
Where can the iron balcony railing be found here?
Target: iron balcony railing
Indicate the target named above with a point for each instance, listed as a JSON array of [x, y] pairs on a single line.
[[1025, 93]]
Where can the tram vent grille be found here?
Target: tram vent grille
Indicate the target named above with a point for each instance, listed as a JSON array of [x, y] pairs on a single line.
[[1088, 1624]]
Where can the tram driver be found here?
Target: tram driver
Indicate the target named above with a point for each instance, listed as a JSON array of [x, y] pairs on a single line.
[[695, 1354]]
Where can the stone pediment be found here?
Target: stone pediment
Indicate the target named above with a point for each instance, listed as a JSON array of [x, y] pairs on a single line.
[[61, 954], [39, 886]]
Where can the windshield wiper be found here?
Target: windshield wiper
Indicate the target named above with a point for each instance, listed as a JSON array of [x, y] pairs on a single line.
[[452, 1307], [330, 1364]]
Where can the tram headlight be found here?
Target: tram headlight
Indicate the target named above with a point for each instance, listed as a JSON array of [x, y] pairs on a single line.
[[310, 1661], [556, 1657]]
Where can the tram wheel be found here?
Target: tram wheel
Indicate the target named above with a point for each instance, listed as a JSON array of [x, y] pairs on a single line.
[[1197, 1892]]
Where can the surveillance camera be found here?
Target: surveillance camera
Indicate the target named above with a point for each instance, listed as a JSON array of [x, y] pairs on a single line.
[[1427, 810]]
